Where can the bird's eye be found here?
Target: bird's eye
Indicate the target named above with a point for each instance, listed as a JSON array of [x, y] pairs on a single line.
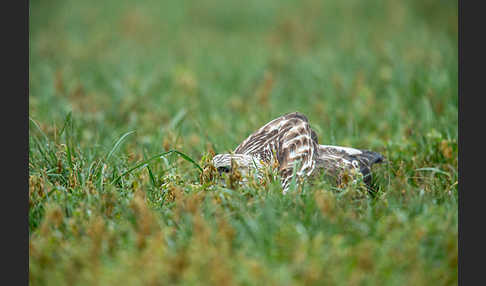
[[224, 169]]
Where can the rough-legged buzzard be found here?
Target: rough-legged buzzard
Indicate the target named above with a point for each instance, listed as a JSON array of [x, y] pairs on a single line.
[[287, 142]]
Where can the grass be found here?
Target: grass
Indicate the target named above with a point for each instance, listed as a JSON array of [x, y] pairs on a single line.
[[128, 100]]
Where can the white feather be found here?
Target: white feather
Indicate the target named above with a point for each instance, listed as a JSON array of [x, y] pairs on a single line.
[[349, 150]]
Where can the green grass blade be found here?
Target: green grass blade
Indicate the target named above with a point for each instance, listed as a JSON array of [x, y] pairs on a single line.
[[38, 128], [435, 170], [144, 162], [152, 177], [118, 143], [177, 119], [66, 121], [69, 157]]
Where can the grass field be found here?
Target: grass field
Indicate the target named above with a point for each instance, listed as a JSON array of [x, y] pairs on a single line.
[[114, 83]]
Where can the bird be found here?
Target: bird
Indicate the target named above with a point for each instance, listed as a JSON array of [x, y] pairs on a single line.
[[289, 145]]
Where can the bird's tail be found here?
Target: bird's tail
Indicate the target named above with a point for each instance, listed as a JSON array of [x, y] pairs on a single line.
[[370, 157], [363, 159]]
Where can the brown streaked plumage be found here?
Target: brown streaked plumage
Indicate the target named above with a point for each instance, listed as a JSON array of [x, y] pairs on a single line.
[[290, 142]]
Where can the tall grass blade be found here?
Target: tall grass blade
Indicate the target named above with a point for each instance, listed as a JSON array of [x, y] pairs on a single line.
[[435, 170], [118, 143], [66, 121], [152, 177], [38, 128], [177, 119], [144, 162]]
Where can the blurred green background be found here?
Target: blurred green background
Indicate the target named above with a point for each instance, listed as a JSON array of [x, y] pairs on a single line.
[[360, 70], [202, 75]]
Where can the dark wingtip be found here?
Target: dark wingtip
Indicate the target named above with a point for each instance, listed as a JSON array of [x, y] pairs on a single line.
[[379, 158], [373, 157]]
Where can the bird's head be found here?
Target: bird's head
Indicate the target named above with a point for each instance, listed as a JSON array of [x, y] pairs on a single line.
[[225, 163]]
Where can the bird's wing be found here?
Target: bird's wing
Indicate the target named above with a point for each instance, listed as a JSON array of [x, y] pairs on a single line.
[[288, 139]]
